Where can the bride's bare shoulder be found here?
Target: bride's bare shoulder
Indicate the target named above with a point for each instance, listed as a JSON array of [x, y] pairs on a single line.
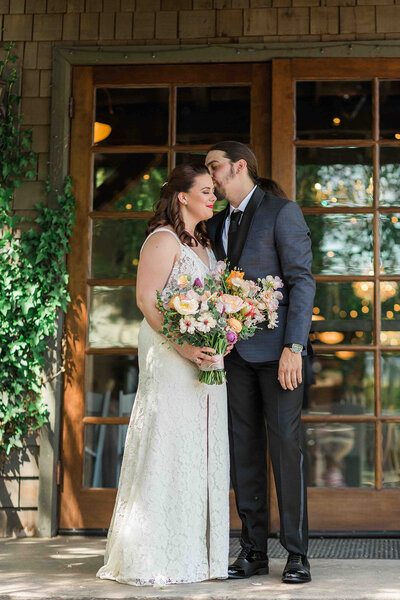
[[161, 242]]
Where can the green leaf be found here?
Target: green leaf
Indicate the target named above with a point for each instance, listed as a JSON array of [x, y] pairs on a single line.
[[33, 278]]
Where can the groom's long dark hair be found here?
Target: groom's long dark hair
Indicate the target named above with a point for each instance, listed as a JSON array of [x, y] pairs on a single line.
[[167, 210], [235, 151]]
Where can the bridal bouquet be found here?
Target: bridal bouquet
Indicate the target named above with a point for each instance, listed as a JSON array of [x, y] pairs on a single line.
[[217, 312]]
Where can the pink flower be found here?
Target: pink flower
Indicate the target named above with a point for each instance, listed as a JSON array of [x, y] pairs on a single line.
[[197, 282], [219, 268], [187, 324], [192, 295]]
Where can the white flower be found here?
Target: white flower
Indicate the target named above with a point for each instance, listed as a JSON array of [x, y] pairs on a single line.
[[253, 288], [205, 322], [242, 284], [187, 324], [272, 304], [273, 320], [278, 283], [184, 306]]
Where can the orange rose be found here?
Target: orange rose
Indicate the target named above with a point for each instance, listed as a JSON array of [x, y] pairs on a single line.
[[235, 324], [234, 275]]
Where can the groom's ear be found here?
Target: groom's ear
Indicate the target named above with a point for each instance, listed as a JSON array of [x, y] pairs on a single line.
[[241, 165]]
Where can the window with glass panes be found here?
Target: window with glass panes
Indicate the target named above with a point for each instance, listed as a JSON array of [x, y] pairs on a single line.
[[132, 125], [343, 169]]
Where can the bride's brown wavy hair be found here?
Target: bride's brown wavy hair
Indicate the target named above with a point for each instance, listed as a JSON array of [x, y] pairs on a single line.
[[167, 211]]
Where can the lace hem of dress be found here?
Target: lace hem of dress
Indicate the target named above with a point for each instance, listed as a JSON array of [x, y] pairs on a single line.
[[159, 580]]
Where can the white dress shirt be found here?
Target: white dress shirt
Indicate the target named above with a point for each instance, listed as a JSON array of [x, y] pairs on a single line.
[[241, 207]]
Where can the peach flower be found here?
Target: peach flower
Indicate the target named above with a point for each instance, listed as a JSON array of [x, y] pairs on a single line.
[[235, 324]]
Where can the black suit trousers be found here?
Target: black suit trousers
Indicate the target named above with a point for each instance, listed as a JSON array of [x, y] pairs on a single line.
[[255, 397]]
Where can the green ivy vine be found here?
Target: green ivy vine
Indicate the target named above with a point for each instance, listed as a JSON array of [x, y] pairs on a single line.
[[33, 275]]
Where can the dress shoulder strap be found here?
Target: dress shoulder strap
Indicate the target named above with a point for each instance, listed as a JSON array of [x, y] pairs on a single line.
[[161, 229]]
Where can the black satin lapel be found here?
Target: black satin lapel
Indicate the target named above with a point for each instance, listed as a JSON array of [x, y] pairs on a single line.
[[245, 225], [218, 245]]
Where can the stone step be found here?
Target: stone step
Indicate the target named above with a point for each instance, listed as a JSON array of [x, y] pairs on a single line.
[[64, 568]]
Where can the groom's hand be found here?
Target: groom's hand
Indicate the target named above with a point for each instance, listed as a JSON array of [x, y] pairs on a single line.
[[290, 367]]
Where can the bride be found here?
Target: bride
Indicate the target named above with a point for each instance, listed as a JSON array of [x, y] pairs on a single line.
[[171, 517]]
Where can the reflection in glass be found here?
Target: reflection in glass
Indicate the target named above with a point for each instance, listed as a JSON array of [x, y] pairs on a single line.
[[390, 243], [344, 384], [137, 116], [340, 454], [109, 379], [103, 451], [206, 115], [390, 301], [341, 244], [333, 109], [390, 365], [114, 318], [389, 191], [343, 313], [334, 177], [391, 455], [116, 246], [128, 182], [389, 102]]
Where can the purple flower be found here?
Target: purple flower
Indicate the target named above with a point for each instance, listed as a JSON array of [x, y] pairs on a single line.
[[231, 337], [197, 282]]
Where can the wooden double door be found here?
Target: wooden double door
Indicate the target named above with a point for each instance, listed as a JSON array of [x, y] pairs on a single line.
[[329, 137]]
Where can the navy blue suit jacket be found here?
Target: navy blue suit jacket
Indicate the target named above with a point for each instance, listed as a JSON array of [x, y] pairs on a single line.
[[273, 239]]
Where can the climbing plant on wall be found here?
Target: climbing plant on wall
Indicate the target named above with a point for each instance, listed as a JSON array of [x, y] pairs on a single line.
[[33, 275]]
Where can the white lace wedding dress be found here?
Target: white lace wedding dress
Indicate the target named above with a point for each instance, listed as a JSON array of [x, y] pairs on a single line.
[[171, 517]]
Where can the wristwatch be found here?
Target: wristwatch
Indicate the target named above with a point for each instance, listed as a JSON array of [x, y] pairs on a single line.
[[295, 348]]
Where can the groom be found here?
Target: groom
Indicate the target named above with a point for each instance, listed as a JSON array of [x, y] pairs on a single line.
[[264, 235]]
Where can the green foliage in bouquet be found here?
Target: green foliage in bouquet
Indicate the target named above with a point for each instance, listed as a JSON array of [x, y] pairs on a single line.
[[33, 276]]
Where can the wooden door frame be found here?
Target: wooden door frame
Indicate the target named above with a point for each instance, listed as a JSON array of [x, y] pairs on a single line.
[[89, 508], [382, 505]]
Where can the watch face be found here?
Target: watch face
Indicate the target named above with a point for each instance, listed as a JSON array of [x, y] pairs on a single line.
[[296, 348]]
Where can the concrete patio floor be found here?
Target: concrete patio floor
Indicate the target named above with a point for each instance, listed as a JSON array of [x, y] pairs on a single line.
[[65, 567]]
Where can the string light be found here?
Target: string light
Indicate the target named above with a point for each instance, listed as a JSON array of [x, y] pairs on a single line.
[[272, 50]]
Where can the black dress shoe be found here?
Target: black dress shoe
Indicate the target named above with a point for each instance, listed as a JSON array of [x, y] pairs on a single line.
[[297, 569], [249, 562]]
